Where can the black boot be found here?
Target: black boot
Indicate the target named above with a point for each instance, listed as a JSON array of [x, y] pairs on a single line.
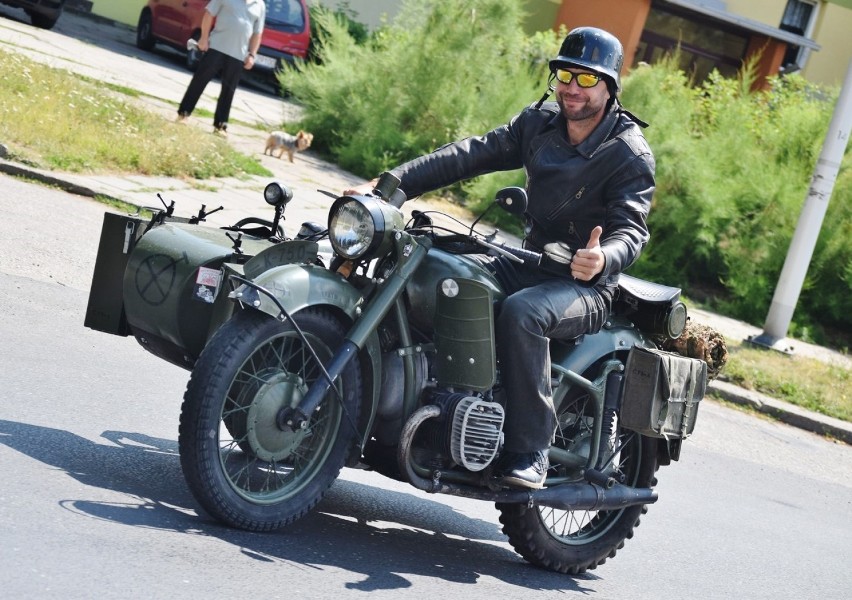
[[528, 470]]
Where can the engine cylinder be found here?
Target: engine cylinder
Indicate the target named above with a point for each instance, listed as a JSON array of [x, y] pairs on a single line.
[[469, 430]]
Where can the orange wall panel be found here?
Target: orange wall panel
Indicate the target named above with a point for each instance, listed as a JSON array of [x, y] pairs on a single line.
[[625, 19], [771, 54]]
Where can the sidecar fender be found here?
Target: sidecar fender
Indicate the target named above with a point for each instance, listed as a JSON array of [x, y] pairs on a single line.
[[299, 286]]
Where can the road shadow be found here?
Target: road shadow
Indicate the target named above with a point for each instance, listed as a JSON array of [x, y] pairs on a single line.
[[385, 536]]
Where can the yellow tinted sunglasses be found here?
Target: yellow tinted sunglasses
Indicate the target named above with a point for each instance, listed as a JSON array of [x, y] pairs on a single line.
[[584, 80]]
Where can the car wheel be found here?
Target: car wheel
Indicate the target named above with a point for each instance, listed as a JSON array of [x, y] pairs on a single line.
[[43, 21], [144, 31]]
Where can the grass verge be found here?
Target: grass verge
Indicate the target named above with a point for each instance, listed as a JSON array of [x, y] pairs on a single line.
[[806, 382], [53, 119]]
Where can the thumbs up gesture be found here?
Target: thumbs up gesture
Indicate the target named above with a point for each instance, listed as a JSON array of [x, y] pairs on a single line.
[[590, 260]]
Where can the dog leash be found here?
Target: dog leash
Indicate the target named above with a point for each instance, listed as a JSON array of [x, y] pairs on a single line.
[[251, 108]]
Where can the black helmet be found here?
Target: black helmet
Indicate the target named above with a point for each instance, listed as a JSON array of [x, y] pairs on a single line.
[[593, 49]]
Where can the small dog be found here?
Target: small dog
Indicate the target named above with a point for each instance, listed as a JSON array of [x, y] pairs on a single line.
[[284, 142]]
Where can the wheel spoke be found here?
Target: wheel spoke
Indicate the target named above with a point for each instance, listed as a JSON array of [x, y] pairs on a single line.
[[249, 473], [575, 432]]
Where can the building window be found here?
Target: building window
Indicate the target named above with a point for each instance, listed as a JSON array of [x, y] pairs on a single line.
[[798, 18], [703, 46]]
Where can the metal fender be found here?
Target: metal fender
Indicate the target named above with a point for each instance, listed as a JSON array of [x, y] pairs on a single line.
[[299, 286], [614, 337]]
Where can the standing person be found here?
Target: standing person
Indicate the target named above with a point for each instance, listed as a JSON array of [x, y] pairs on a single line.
[[590, 179], [229, 49]]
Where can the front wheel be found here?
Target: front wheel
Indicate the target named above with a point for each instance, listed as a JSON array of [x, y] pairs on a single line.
[[574, 541], [241, 467]]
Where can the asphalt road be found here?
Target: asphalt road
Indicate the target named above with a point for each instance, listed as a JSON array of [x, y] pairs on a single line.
[[94, 504]]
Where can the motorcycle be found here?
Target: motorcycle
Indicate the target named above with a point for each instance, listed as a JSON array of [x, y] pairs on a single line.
[[379, 353]]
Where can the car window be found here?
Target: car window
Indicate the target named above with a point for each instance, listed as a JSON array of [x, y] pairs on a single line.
[[285, 12]]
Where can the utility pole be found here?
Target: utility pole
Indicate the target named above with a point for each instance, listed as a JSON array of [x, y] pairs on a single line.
[[810, 221]]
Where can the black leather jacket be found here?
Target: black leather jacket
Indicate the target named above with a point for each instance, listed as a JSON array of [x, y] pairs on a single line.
[[606, 180]]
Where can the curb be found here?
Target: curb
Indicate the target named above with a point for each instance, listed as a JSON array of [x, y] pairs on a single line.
[[23, 171], [783, 411]]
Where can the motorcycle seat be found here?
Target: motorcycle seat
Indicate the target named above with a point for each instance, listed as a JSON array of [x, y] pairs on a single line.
[[646, 291]]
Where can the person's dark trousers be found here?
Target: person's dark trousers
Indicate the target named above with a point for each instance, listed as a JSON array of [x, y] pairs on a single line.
[[540, 306], [214, 63]]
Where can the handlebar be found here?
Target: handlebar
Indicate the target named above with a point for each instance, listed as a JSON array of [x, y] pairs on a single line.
[[556, 260], [526, 256]]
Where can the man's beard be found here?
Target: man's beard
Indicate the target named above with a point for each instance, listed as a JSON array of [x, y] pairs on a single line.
[[580, 113]]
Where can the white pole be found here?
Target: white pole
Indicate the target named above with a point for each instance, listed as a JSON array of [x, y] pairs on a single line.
[[810, 221]]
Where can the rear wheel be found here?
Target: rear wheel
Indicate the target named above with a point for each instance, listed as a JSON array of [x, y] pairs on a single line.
[[574, 541], [144, 32], [241, 467]]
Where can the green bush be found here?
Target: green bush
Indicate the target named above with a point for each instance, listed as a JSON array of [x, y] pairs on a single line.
[[444, 69], [343, 14], [733, 171]]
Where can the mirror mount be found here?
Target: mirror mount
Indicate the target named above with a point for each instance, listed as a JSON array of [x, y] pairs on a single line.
[[512, 199]]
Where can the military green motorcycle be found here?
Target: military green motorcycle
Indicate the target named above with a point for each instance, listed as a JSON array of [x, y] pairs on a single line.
[[380, 353]]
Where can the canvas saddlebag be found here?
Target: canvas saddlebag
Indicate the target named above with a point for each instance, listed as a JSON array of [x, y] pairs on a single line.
[[662, 391]]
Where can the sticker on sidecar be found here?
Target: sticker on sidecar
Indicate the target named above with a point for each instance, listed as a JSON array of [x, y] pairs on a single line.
[[155, 277], [207, 284]]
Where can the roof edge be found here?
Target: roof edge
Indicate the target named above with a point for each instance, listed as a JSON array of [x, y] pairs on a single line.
[[745, 23]]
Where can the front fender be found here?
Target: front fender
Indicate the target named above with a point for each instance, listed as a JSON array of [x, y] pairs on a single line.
[[299, 286]]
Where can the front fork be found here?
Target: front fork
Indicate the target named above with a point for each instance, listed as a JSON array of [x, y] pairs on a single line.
[[410, 254]]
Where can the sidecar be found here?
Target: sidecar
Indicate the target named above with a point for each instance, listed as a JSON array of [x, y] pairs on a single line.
[[166, 280]]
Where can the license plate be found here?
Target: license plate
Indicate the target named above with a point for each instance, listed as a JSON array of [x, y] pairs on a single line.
[[265, 61]]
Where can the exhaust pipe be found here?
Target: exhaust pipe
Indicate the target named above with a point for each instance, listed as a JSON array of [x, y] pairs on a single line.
[[566, 496]]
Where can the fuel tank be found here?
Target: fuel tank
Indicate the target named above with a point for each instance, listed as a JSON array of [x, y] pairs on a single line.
[[423, 288]]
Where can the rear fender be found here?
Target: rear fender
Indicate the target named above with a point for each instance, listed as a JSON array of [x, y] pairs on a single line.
[[616, 336], [300, 286]]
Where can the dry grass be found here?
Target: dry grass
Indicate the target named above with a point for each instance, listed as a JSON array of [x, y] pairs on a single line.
[[53, 119]]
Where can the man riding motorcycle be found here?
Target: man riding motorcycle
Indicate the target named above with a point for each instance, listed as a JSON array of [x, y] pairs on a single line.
[[590, 180]]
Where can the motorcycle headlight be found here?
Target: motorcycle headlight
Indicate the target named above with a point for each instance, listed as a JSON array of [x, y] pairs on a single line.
[[361, 226]]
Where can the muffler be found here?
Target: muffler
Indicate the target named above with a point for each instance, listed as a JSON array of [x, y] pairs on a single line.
[[566, 496]]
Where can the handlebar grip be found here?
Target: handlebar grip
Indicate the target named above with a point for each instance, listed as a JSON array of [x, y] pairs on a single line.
[[526, 255], [387, 188]]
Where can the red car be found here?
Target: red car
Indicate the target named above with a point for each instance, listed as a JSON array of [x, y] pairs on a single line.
[[43, 13], [286, 34]]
